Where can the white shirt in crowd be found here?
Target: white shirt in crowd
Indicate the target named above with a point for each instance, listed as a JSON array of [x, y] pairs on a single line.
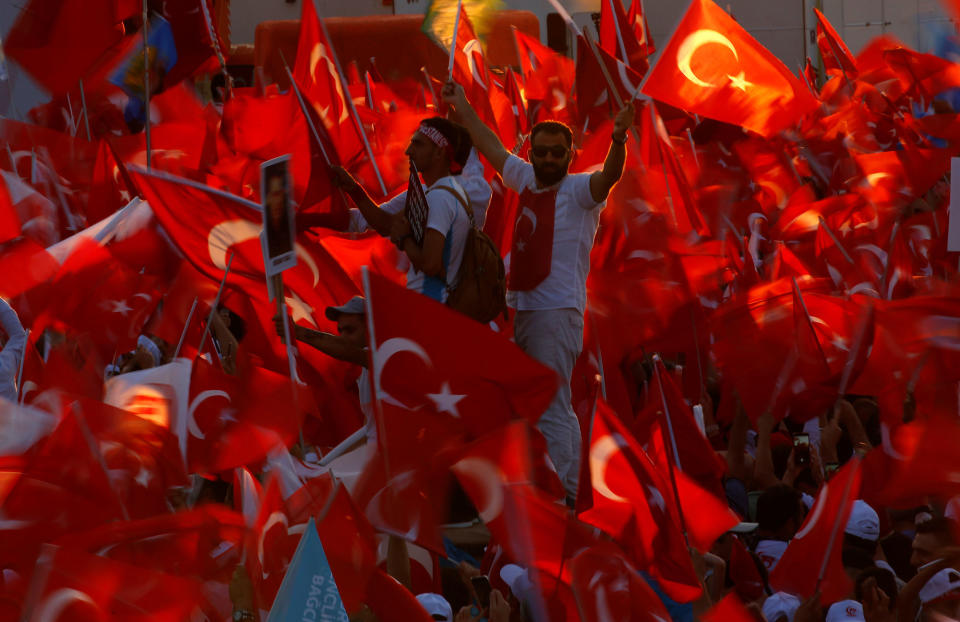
[[575, 225]]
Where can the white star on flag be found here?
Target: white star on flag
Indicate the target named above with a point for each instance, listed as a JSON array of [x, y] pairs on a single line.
[[739, 82], [300, 309], [120, 306], [445, 401]]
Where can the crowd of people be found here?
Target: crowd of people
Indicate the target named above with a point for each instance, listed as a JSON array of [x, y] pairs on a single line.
[[721, 384]]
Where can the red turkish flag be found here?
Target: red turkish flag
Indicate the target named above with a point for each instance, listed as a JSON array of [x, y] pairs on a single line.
[[57, 42], [622, 38], [77, 585], [316, 74], [633, 502], [711, 66], [819, 541], [233, 421], [420, 362], [729, 609], [204, 542], [836, 55], [607, 587]]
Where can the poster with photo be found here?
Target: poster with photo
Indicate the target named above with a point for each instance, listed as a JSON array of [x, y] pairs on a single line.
[[276, 198]]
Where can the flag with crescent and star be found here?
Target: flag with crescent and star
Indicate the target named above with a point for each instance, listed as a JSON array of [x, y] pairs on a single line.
[[432, 357], [72, 584], [712, 67]]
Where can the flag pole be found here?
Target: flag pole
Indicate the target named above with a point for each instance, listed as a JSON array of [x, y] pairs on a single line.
[[453, 42], [186, 325], [23, 357], [216, 302], [86, 115], [666, 179], [433, 96], [353, 109], [806, 315], [146, 81], [303, 108], [865, 319], [836, 241]]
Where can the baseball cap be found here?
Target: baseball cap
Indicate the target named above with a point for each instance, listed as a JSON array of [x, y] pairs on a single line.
[[744, 527], [780, 604], [864, 522], [516, 579], [946, 582], [355, 306], [845, 611], [436, 605]]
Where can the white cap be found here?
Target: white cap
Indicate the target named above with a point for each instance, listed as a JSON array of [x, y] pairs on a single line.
[[516, 578], [354, 306], [780, 604], [940, 584], [864, 522], [845, 611], [437, 606]]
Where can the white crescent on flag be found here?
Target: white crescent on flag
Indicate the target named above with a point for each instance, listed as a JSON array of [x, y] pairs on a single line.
[[487, 475], [691, 44], [600, 453]]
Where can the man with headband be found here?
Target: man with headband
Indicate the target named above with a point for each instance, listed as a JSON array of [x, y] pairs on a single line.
[[557, 219], [436, 149]]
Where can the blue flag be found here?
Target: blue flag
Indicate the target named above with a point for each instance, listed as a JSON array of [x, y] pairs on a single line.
[[308, 591]]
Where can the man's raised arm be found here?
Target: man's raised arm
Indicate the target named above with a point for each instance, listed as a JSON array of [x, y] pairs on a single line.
[[603, 180], [484, 139]]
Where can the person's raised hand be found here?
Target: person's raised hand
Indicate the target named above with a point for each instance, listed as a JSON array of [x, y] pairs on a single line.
[[499, 608], [624, 120], [342, 179], [241, 590], [453, 94], [809, 610], [876, 603], [399, 229], [464, 615]]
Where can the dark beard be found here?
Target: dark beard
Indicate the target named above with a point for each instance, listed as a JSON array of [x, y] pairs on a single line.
[[550, 176]]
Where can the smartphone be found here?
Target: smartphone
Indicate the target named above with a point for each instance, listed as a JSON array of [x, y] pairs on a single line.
[[481, 585], [801, 449]]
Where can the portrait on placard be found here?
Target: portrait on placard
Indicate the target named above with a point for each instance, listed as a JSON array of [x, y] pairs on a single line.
[[278, 216]]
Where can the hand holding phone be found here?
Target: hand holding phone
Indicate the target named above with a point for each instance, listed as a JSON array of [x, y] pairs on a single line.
[[481, 585], [801, 449]]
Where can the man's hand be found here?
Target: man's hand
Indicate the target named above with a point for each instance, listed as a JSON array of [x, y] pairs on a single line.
[[453, 94], [343, 180], [464, 615], [810, 610], [499, 608], [241, 590], [876, 603], [399, 228], [623, 121]]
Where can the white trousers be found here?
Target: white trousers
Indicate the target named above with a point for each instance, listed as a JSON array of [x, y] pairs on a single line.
[[555, 338]]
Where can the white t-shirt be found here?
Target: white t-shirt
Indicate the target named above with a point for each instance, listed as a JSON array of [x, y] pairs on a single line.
[[575, 225], [447, 216]]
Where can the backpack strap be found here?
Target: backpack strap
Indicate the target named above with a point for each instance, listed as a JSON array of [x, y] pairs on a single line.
[[460, 199]]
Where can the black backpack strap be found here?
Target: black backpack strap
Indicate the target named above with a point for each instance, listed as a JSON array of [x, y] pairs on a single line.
[[460, 199]]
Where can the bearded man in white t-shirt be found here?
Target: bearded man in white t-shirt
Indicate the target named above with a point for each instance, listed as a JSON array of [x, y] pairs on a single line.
[[557, 219], [435, 261]]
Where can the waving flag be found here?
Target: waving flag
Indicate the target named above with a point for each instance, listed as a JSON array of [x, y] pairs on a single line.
[[711, 66]]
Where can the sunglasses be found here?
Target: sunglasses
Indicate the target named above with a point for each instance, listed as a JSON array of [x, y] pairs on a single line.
[[557, 151]]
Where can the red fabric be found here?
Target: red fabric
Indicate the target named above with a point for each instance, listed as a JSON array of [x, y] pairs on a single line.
[[593, 94], [316, 73], [531, 250], [820, 538], [81, 586], [57, 42], [836, 56], [608, 588], [633, 502], [615, 27], [421, 363], [748, 86], [729, 609]]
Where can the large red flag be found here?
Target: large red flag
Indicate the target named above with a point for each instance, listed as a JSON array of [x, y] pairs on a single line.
[[607, 587], [419, 360], [711, 66], [812, 559], [317, 75], [74, 585], [633, 502]]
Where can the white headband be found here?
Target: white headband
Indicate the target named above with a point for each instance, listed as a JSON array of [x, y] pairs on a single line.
[[434, 135]]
